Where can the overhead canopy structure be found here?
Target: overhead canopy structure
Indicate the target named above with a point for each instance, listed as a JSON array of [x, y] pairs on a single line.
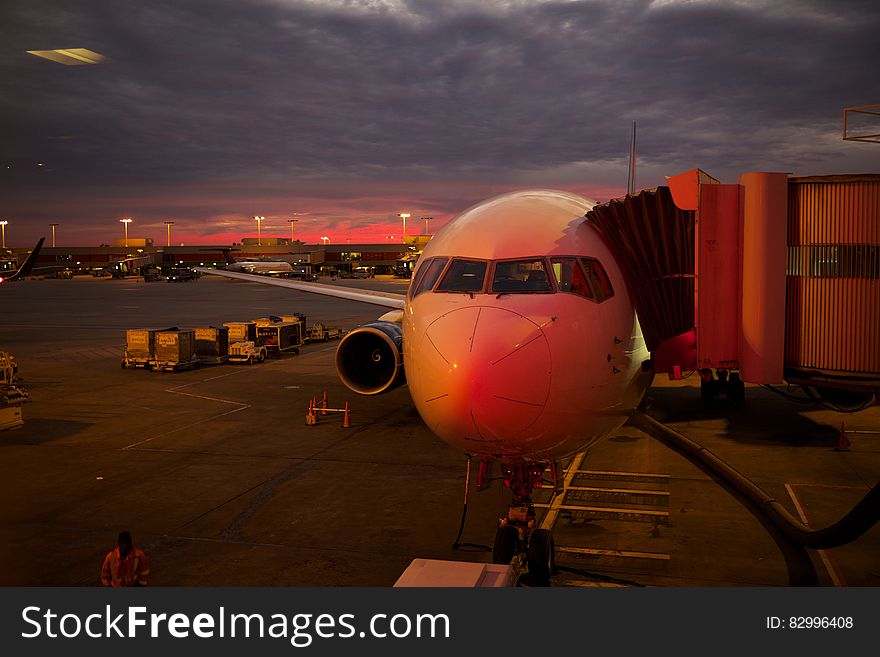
[[862, 123]]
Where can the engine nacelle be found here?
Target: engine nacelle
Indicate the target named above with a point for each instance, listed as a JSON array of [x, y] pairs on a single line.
[[369, 360]]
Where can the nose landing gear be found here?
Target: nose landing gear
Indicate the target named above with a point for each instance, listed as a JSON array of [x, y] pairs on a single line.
[[518, 540]]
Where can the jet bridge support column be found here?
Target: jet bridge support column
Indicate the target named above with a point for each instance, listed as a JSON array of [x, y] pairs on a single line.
[[765, 218]]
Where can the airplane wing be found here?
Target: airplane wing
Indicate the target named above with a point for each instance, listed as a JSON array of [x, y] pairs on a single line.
[[385, 299]]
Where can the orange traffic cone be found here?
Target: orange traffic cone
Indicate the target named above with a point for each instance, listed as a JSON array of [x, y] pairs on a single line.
[[843, 441], [346, 418], [324, 404]]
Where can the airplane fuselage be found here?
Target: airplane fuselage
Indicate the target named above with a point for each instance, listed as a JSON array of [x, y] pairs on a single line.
[[265, 267], [524, 365]]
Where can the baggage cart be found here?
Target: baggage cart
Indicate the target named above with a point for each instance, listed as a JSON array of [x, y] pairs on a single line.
[[175, 350], [281, 337], [241, 331], [212, 344], [140, 348]]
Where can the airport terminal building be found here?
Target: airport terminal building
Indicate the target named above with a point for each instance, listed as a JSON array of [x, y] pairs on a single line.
[[321, 258]]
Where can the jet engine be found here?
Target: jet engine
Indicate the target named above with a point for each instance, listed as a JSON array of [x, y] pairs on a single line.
[[369, 360]]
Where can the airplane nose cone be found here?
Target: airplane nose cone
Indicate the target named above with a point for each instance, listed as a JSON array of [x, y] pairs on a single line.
[[490, 374]]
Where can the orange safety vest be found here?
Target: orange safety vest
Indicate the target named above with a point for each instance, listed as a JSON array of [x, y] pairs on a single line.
[[133, 570]]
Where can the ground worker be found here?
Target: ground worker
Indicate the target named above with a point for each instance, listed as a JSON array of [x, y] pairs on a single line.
[[125, 565]]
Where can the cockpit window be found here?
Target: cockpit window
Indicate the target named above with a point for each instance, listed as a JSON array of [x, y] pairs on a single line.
[[463, 276], [570, 277], [427, 275], [598, 279], [523, 276]]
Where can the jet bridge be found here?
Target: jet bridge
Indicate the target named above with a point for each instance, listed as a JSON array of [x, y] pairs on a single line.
[[768, 280]]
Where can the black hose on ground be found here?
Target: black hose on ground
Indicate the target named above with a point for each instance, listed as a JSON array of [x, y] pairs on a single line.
[[467, 482], [860, 519], [458, 545]]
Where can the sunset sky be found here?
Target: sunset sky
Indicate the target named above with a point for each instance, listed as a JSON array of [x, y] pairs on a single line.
[[347, 112]]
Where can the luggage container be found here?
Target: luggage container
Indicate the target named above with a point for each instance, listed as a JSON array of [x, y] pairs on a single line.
[[175, 350], [241, 331], [280, 337], [140, 347], [212, 344]]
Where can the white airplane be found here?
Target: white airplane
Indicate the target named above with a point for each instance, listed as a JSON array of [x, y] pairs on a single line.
[[518, 340], [264, 267]]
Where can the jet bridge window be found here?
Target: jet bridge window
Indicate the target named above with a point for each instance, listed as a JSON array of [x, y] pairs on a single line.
[[570, 277], [427, 275], [520, 276], [463, 276]]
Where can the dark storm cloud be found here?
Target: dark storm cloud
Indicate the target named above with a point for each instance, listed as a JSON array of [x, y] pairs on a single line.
[[283, 92]]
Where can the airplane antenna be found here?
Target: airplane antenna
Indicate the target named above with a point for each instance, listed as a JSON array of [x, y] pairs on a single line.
[[631, 178]]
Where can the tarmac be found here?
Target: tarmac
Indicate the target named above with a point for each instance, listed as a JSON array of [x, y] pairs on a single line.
[[222, 483]]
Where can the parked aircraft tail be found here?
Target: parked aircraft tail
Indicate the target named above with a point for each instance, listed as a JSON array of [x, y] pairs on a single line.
[[27, 265]]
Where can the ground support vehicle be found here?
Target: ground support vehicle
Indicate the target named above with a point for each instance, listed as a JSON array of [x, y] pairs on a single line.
[[321, 333], [151, 274], [182, 274], [12, 393], [281, 337], [247, 352]]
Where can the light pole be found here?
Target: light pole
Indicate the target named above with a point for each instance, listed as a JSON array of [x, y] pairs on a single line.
[[427, 219], [404, 216], [125, 223], [3, 227], [325, 240], [169, 224], [292, 223], [259, 221], [53, 234]]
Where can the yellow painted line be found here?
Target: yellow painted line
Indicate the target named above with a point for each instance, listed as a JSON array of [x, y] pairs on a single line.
[[552, 514], [187, 426], [636, 491], [600, 509], [830, 567], [624, 554], [176, 391], [584, 583], [623, 474]]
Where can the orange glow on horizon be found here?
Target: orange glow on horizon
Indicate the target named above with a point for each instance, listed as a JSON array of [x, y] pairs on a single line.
[[205, 215]]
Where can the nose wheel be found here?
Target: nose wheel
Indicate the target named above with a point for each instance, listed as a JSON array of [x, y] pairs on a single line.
[[537, 552], [541, 556], [506, 544]]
